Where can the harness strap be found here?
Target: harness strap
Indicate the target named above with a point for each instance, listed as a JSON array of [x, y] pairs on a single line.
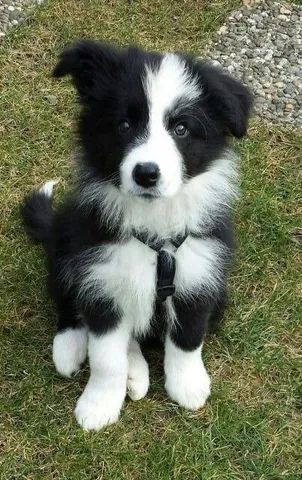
[[165, 274], [154, 245], [166, 263]]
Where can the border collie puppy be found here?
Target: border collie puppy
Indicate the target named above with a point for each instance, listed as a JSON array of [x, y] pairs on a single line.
[[144, 243]]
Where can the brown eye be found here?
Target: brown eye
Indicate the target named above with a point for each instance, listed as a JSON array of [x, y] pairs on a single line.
[[180, 130], [124, 126]]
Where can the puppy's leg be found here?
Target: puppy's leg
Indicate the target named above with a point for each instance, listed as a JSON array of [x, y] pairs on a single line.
[[138, 372], [70, 342], [102, 399], [187, 381]]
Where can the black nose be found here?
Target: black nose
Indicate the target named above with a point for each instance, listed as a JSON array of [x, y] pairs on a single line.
[[146, 174]]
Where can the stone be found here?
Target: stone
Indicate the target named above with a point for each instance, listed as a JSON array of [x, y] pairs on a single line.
[[288, 107], [15, 15], [222, 30], [284, 17], [52, 99], [285, 11]]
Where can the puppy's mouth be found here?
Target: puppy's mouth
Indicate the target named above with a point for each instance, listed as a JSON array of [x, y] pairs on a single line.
[[148, 194]]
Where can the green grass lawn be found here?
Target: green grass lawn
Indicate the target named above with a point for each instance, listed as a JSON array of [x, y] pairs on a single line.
[[251, 427]]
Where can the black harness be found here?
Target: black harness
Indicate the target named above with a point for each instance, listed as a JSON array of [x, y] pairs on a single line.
[[166, 263]]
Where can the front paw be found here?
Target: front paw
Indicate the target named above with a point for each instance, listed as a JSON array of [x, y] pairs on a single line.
[[190, 389], [99, 407], [94, 415]]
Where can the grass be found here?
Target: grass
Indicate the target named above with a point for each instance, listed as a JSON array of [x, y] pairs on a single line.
[[250, 429]]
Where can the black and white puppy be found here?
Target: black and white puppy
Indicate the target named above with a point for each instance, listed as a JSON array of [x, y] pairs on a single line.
[[144, 244]]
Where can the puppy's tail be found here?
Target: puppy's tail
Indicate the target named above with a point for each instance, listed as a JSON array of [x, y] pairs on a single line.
[[37, 213]]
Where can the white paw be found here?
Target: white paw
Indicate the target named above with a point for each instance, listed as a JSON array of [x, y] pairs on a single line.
[[138, 379], [190, 389], [69, 350], [95, 415], [97, 409]]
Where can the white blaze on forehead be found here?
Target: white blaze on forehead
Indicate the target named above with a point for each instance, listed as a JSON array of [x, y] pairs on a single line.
[[164, 86], [170, 82]]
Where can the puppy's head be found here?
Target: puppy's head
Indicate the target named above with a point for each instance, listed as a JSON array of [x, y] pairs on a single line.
[[150, 122]]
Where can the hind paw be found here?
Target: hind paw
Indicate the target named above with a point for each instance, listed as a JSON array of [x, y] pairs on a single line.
[[69, 350]]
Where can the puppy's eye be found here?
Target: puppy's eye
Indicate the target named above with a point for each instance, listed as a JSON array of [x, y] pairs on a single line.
[[181, 130], [124, 126]]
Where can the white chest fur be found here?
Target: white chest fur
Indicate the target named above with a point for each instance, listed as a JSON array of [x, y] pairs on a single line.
[[128, 276]]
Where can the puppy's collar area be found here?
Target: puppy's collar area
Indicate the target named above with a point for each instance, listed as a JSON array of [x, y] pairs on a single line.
[[157, 244], [166, 263]]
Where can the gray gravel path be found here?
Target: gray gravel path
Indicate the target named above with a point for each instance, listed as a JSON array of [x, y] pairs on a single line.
[[262, 45]]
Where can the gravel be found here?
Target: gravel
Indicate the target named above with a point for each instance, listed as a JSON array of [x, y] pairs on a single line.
[[12, 13], [262, 45]]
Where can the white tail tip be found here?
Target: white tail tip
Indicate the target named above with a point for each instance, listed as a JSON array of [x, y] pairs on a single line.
[[47, 188]]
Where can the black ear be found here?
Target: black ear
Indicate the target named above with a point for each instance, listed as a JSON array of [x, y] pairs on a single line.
[[88, 61], [228, 98]]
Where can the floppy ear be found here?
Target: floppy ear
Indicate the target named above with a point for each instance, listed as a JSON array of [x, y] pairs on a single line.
[[228, 98], [88, 61]]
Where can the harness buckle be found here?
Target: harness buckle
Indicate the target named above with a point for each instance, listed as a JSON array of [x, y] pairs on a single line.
[[164, 291]]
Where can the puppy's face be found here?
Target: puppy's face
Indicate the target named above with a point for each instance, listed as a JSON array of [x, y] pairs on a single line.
[[151, 122]]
